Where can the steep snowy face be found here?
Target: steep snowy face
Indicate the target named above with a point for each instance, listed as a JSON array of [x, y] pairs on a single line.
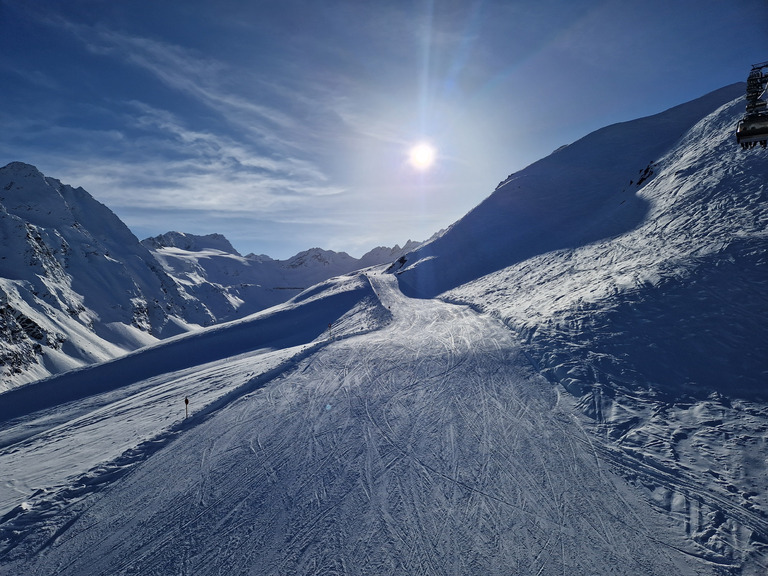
[[681, 297], [75, 285], [579, 194], [659, 333]]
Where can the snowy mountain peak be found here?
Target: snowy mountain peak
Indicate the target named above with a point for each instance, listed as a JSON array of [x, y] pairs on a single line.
[[190, 242], [71, 271], [25, 191], [318, 257], [384, 254], [22, 170]]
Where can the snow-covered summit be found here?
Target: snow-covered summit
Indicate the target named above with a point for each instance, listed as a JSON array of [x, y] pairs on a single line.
[[383, 254], [319, 257], [190, 242], [76, 284], [77, 287]]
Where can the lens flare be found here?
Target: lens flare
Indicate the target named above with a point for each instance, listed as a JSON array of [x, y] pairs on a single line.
[[422, 156]]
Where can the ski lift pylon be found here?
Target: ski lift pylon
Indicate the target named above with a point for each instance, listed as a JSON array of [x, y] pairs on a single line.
[[753, 128]]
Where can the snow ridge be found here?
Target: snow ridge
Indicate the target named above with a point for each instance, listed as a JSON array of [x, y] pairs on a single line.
[[579, 194], [659, 332]]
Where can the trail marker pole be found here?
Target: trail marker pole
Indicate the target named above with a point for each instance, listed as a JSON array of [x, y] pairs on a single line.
[[186, 408]]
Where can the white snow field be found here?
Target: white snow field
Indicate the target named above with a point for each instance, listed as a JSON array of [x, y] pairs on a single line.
[[580, 388], [68, 424], [660, 333], [429, 446]]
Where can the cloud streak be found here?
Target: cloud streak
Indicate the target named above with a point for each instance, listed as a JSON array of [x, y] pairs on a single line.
[[177, 166], [204, 79], [254, 161], [292, 120]]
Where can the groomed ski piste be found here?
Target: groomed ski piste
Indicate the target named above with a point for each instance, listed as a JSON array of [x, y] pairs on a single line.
[[594, 403], [413, 438]]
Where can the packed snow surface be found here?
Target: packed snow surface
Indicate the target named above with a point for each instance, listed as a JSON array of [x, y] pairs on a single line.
[[580, 388], [427, 446]]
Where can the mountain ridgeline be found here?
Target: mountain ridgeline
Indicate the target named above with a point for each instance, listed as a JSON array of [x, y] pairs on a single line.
[[77, 287], [640, 249]]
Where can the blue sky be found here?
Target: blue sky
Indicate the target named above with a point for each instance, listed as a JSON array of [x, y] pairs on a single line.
[[287, 124]]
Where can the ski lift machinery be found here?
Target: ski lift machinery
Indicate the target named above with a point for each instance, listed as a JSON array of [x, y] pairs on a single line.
[[753, 128]]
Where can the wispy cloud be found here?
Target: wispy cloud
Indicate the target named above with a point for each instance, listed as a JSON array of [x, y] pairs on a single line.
[[173, 165], [302, 142], [254, 160], [207, 80]]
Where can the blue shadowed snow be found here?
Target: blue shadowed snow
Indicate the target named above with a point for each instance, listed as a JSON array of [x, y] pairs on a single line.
[[281, 327], [579, 194]]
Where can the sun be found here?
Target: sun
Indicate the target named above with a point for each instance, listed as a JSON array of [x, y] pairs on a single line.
[[422, 156]]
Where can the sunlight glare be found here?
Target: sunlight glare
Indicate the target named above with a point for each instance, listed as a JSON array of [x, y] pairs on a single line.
[[422, 156]]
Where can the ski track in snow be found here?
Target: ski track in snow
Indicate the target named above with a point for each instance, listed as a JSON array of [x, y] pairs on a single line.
[[44, 450], [660, 335], [429, 446]]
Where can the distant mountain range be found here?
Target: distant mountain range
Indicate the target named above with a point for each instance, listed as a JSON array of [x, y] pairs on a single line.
[[231, 285], [77, 287]]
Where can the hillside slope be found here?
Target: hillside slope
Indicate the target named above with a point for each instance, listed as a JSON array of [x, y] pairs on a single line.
[[428, 445], [77, 287], [579, 194], [679, 301], [660, 332]]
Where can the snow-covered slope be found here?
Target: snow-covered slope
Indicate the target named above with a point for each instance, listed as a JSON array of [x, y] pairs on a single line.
[[579, 194], [678, 301], [233, 286], [673, 253], [77, 287], [643, 293], [416, 439], [588, 403]]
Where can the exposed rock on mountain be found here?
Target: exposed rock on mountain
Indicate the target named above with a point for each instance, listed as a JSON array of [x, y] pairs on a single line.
[[77, 287]]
